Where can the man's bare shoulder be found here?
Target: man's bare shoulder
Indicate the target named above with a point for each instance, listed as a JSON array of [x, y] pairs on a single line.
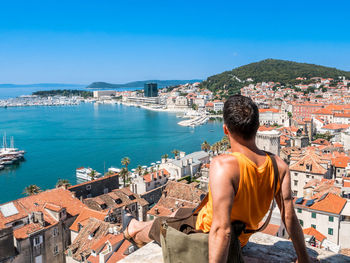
[[224, 164], [282, 165]]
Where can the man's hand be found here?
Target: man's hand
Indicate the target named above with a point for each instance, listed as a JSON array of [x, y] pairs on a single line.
[[222, 173]]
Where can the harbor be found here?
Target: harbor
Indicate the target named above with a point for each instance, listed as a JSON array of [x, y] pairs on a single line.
[[32, 100], [200, 120]]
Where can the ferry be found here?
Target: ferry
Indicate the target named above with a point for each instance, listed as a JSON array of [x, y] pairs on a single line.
[[85, 174]]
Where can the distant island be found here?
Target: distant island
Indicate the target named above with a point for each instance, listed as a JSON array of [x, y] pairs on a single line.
[[282, 71], [63, 92], [133, 84]]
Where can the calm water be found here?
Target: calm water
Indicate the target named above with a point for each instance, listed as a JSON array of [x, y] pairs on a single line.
[[60, 139]]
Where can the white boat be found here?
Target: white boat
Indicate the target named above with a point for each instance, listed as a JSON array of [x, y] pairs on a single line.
[[85, 173], [1, 167]]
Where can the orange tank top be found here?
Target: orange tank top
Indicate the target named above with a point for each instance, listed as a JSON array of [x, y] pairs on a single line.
[[252, 200]]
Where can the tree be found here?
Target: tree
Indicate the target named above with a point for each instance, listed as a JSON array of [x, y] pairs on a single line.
[[194, 106], [125, 174], [32, 189], [205, 146], [63, 182], [175, 152], [165, 156], [125, 161], [139, 170], [92, 174], [225, 142]]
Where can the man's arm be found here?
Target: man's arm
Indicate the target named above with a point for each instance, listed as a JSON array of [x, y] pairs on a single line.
[[222, 190], [285, 203]]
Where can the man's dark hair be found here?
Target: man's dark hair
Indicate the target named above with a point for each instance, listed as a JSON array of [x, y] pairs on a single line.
[[241, 116]]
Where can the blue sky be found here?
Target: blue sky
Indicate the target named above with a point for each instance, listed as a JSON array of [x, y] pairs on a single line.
[[118, 41]]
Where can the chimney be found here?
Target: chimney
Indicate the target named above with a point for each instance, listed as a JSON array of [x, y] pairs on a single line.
[[162, 172], [152, 176]]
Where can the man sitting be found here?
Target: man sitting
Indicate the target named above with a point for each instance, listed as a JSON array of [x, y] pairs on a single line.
[[241, 188]]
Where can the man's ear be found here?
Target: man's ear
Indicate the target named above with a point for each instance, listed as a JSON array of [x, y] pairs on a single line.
[[225, 129]]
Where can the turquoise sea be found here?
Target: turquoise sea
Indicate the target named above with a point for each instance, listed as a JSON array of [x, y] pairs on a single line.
[[60, 139]]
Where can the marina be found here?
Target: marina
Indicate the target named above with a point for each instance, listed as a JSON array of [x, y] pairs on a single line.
[[200, 120], [32, 100], [9, 155]]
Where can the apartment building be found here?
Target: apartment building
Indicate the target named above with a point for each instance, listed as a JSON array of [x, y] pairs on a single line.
[[37, 226]]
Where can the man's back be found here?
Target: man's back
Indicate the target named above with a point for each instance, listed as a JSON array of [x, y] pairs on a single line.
[[253, 182]]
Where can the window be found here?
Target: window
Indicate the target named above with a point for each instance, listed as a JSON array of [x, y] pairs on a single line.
[[313, 226], [38, 240], [295, 183], [301, 222], [105, 191], [331, 219], [55, 232], [296, 174], [330, 231], [295, 193], [88, 196], [338, 170], [55, 250], [299, 210], [88, 187], [313, 215]]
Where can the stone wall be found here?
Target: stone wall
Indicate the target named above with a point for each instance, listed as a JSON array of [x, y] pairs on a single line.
[[261, 248]]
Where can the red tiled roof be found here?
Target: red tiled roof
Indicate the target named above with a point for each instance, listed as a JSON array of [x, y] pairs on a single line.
[[147, 177], [331, 203], [58, 197], [313, 232], [335, 126], [341, 162], [269, 110], [85, 214], [271, 229]]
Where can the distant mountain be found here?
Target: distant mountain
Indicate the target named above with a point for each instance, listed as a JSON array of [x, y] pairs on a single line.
[[282, 71], [161, 83], [43, 85]]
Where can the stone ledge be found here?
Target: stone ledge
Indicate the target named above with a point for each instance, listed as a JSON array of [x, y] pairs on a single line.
[[261, 248]]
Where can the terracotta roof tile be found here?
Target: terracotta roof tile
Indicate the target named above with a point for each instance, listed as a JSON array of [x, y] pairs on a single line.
[[313, 232], [87, 213]]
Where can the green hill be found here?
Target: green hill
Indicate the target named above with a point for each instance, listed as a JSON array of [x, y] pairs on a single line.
[[267, 70], [136, 84]]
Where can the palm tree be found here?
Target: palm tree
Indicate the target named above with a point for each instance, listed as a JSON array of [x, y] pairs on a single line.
[[175, 152], [215, 148], [63, 182], [205, 146], [126, 161], [165, 156], [125, 173], [92, 174], [139, 170], [31, 189]]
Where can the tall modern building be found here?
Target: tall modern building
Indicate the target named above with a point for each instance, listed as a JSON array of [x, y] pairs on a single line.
[[151, 90]]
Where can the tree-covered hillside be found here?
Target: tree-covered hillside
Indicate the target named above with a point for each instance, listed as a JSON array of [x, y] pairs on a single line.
[[63, 92], [267, 70]]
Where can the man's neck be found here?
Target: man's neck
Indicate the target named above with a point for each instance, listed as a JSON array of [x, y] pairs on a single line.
[[241, 145]]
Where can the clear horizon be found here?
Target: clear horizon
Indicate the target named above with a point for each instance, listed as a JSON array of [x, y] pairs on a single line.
[[87, 41]]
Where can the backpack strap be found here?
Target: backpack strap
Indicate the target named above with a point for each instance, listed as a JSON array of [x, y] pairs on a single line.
[[276, 178]]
